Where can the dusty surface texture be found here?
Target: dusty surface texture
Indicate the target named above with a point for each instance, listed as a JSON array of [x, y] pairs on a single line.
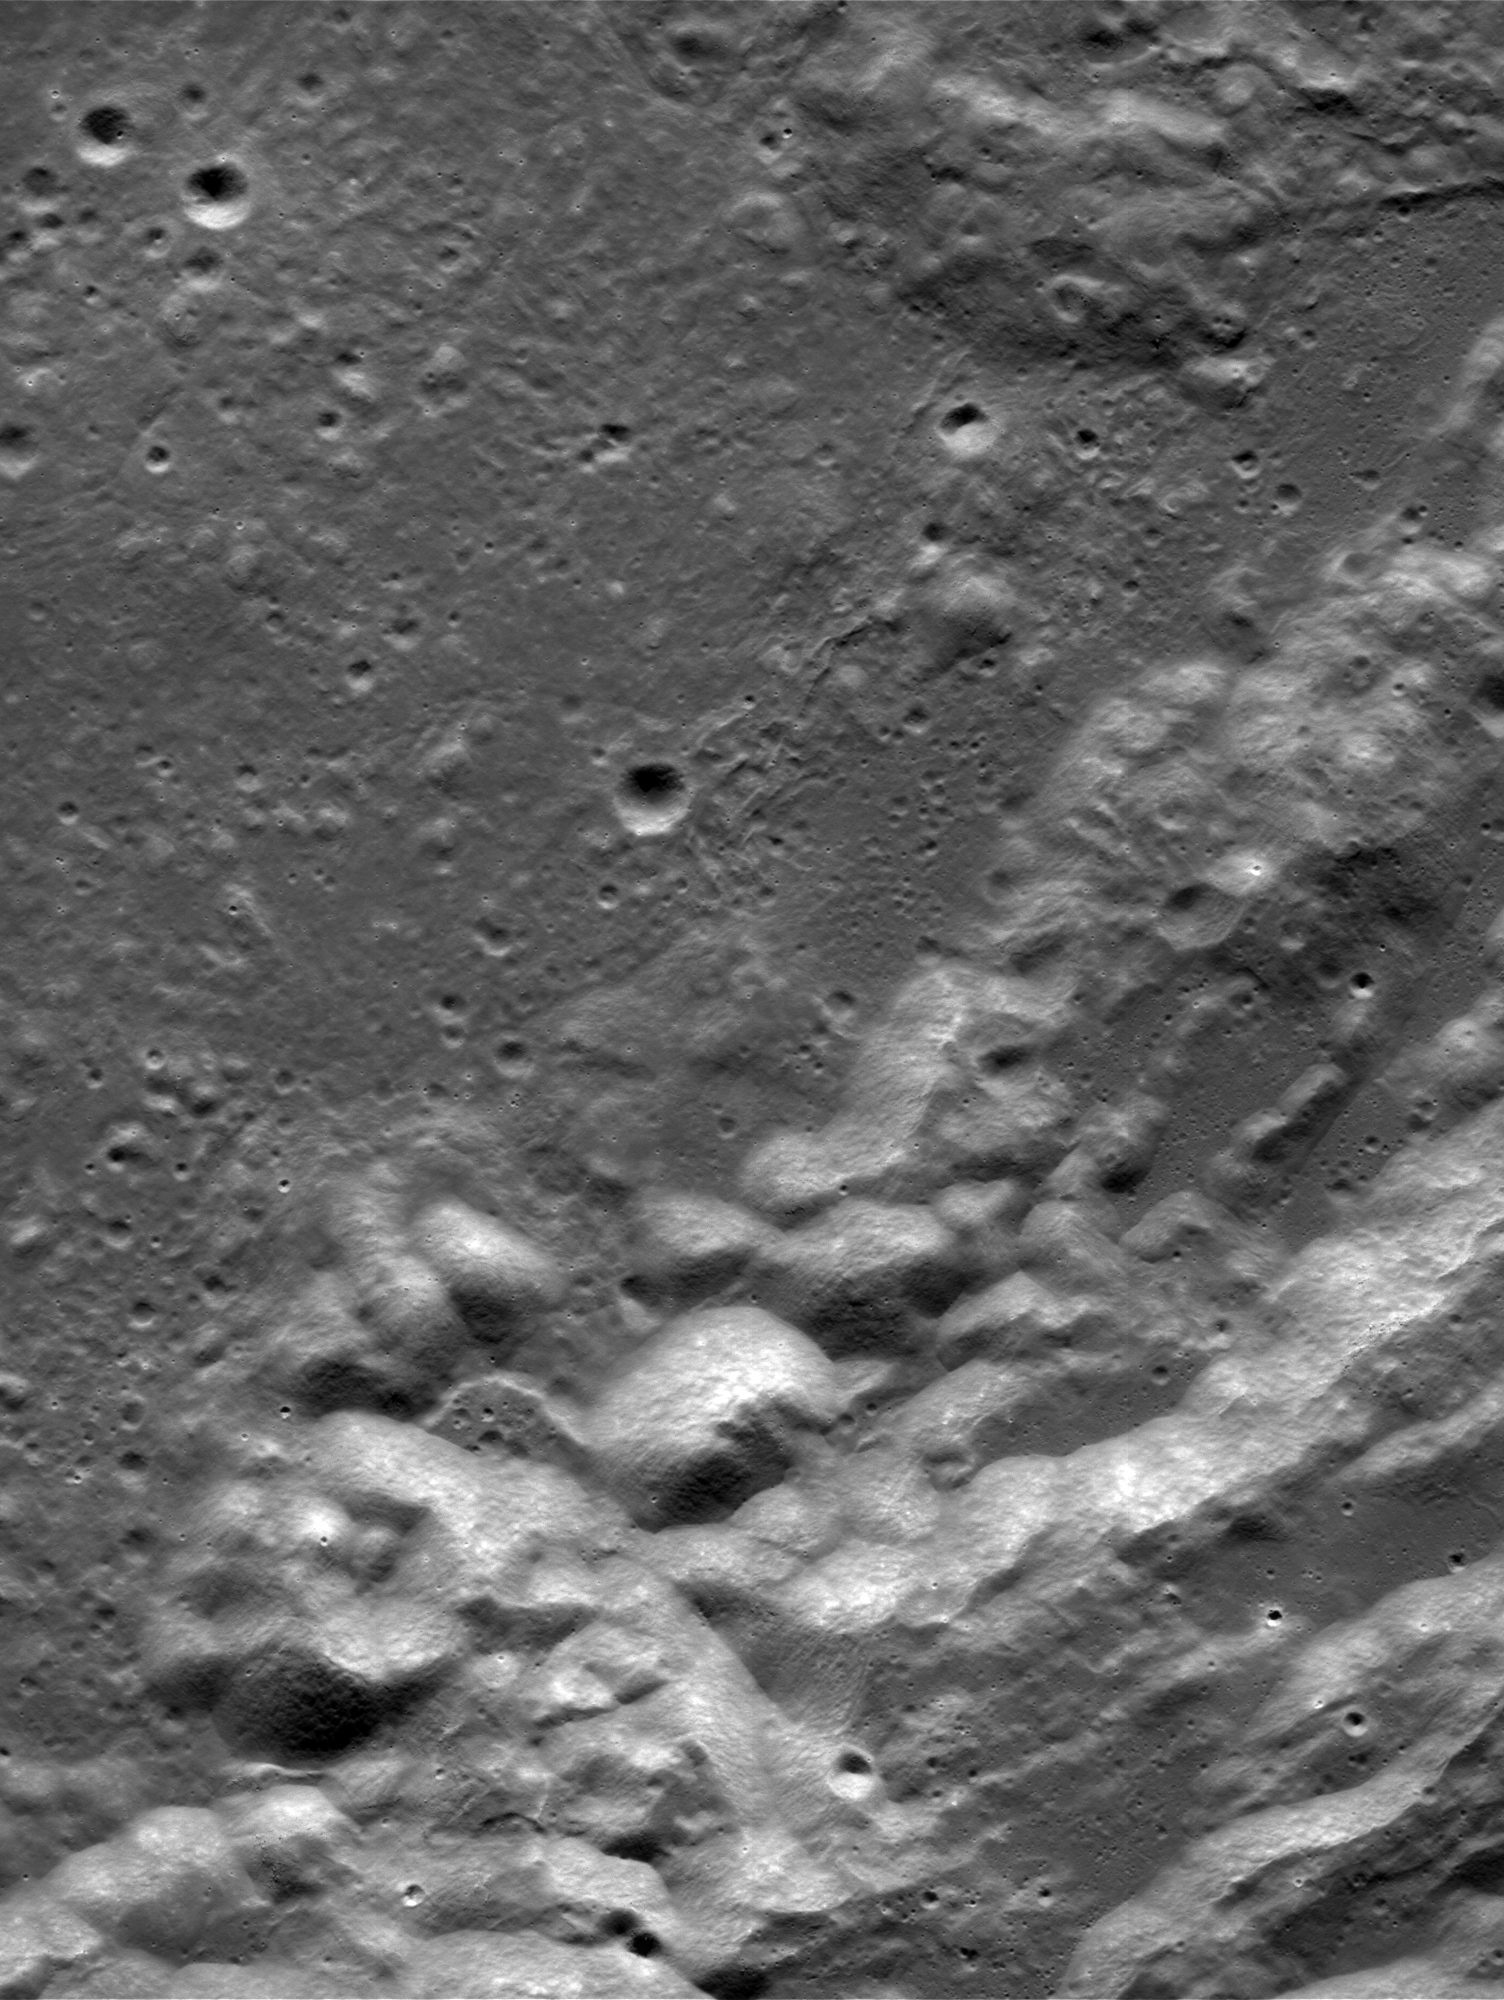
[[752, 1000]]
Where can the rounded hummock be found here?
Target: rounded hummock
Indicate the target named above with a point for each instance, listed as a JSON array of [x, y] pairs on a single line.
[[706, 1414]]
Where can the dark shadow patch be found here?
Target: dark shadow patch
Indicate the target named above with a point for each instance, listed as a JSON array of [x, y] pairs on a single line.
[[106, 125], [295, 1708], [221, 182]]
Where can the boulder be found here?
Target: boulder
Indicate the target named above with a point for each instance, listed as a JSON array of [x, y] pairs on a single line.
[[42, 1935], [708, 1413], [861, 1276], [121, 1974], [498, 1278], [291, 1839], [1180, 1221], [1425, 1976], [883, 1496], [1369, 1689], [749, 1903], [683, 1246], [1413, 1461], [1014, 1318], [1070, 1241], [929, 1095], [260, 1979], [397, 1291], [559, 1885], [631, 1783], [481, 1782], [172, 1883], [800, 1516], [956, 1425], [305, 1687], [1013, 1117], [323, 1352], [591, 1895], [592, 1670], [503, 1412], [473, 1526], [187, 1658], [983, 1216], [674, 1766], [1114, 1145], [408, 1307], [725, 1566], [524, 1966]]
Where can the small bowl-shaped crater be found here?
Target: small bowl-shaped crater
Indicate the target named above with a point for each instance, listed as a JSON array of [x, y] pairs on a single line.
[[19, 451], [203, 268], [652, 797], [1488, 701], [853, 1775], [967, 429], [106, 135], [217, 195], [1198, 914]]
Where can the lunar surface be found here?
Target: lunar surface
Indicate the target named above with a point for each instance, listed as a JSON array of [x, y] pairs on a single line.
[[752, 999]]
